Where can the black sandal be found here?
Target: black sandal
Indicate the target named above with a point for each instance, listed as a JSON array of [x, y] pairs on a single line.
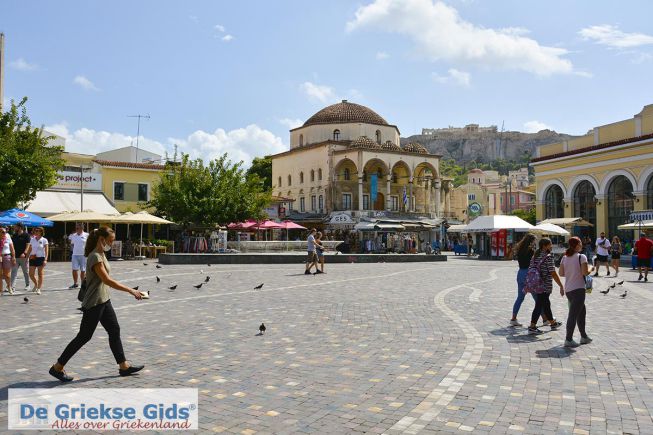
[[130, 370], [61, 375]]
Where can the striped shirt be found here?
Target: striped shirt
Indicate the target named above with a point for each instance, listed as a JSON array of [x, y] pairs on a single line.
[[547, 267]]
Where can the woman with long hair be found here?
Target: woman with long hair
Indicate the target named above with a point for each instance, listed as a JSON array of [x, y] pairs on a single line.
[[616, 249], [37, 252], [574, 269], [7, 261], [96, 306], [523, 252], [543, 261]]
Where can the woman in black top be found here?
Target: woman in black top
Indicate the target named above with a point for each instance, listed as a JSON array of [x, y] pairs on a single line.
[[523, 252]]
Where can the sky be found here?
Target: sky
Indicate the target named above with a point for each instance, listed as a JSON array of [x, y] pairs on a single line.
[[235, 76]]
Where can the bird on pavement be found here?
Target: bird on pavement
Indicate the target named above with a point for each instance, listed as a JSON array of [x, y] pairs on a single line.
[[623, 296], [199, 286], [606, 291], [144, 264], [135, 288], [158, 279], [262, 328], [209, 264], [620, 283], [259, 287], [613, 285], [207, 279], [25, 300], [173, 287], [158, 266]]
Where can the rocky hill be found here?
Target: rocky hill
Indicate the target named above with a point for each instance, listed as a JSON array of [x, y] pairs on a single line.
[[485, 146]]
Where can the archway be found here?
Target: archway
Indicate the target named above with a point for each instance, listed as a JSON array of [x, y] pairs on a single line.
[[620, 204], [649, 193], [553, 202], [379, 204], [585, 205]]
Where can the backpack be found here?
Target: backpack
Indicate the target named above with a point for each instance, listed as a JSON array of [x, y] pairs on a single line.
[[534, 282]]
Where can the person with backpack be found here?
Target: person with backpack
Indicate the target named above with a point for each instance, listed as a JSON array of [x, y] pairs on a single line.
[[539, 280], [575, 270]]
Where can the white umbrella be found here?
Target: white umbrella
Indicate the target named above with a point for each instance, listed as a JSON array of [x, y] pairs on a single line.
[[486, 224], [643, 225], [84, 216], [549, 229], [142, 217]]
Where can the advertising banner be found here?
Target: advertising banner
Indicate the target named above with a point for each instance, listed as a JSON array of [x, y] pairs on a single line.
[[374, 188], [68, 180]]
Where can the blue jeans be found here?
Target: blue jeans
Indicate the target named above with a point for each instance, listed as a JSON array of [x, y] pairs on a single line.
[[521, 281]]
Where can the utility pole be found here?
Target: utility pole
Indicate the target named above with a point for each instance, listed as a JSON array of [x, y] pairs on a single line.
[[138, 129], [81, 187]]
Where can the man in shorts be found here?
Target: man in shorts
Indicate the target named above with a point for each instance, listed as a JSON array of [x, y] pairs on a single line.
[[312, 252], [644, 246], [602, 252], [78, 242]]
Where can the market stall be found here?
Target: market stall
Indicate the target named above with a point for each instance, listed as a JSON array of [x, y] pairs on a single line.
[[496, 234]]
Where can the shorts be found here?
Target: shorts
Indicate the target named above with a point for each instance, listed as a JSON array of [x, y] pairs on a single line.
[[601, 258], [312, 256], [643, 262], [6, 262], [616, 256], [36, 262], [320, 254], [79, 262]]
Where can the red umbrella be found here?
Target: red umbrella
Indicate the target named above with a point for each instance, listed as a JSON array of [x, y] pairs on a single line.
[[290, 225], [269, 225]]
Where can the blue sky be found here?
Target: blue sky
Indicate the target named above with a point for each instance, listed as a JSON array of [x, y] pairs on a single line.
[[233, 76]]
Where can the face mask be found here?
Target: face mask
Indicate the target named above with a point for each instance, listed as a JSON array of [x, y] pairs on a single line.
[[106, 248]]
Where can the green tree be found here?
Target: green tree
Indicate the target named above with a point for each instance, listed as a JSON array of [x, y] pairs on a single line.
[[218, 193], [527, 215], [262, 167], [27, 163]]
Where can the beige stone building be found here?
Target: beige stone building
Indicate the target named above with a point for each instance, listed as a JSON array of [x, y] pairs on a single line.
[[347, 158]]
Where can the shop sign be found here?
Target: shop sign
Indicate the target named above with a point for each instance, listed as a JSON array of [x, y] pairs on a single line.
[[474, 209], [341, 218], [69, 180]]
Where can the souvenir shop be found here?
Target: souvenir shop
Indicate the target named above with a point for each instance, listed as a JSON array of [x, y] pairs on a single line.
[[379, 237]]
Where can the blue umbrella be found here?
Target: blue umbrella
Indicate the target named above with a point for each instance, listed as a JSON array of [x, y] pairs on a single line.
[[14, 216]]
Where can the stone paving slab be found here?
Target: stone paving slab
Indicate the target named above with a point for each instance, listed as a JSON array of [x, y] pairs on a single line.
[[365, 348]]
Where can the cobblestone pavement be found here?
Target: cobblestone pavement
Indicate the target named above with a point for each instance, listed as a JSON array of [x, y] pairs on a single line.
[[365, 348]]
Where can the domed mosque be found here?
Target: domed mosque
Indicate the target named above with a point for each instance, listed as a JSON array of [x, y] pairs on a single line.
[[346, 163]]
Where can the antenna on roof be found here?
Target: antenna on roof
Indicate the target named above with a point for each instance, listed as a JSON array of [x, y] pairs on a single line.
[[138, 130]]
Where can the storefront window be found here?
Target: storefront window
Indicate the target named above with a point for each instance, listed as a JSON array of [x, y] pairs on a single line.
[[585, 204], [346, 201], [553, 203], [620, 204]]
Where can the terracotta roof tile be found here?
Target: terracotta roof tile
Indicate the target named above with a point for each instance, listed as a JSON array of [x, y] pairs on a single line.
[[129, 165]]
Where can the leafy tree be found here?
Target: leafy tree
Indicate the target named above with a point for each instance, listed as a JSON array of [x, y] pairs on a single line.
[[262, 167], [527, 215], [27, 163], [221, 192]]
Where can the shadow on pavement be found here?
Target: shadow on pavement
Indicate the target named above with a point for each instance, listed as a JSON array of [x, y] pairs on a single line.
[[555, 352], [4, 392]]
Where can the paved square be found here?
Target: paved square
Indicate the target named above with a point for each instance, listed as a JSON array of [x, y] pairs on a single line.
[[369, 348]]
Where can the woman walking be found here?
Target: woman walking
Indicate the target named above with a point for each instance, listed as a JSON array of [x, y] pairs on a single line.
[[8, 260], [574, 268], [616, 249], [37, 252], [524, 253], [543, 261], [96, 306], [319, 249]]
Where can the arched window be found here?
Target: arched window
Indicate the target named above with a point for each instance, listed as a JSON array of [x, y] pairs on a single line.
[[312, 175], [336, 134], [553, 203], [649, 193], [346, 174], [585, 205], [379, 174], [394, 177], [378, 137], [301, 178], [620, 204], [279, 182], [319, 174], [364, 175], [301, 139], [320, 203], [289, 180]]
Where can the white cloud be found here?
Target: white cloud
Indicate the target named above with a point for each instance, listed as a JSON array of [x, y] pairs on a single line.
[[227, 38], [320, 93], [460, 78], [612, 37], [241, 144], [21, 64], [439, 33], [535, 126], [85, 83], [382, 55], [291, 123], [219, 27]]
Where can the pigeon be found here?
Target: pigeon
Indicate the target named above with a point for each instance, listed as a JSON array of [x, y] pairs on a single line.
[[259, 287], [144, 264], [623, 296], [158, 267], [262, 328], [173, 287], [337, 253], [25, 299], [158, 279], [145, 295], [209, 264], [620, 283], [208, 278], [135, 288], [606, 291], [613, 285], [199, 286]]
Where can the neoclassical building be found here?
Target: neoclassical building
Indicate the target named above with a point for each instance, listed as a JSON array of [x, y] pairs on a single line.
[[600, 177], [347, 158]]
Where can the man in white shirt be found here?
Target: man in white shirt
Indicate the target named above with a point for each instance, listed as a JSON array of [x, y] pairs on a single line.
[[602, 252], [78, 242]]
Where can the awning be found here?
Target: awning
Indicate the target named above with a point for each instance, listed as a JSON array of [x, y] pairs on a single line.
[[643, 225], [487, 224], [389, 226], [365, 226], [549, 229], [48, 203], [573, 221], [456, 228]]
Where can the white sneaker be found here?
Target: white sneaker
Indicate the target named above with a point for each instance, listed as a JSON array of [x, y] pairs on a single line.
[[515, 323], [26, 287], [34, 289], [38, 291], [11, 290]]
